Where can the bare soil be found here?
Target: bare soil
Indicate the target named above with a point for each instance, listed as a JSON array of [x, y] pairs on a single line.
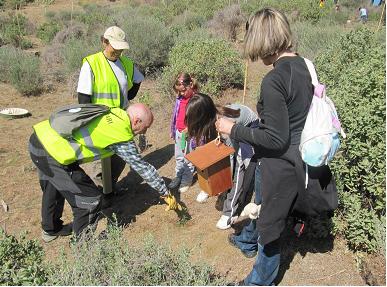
[[304, 262]]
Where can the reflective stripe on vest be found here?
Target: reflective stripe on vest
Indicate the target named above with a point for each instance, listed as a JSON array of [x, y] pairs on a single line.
[[89, 142], [106, 88]]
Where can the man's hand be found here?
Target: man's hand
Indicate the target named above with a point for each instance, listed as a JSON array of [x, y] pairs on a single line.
[[172, 203], [252, 210]]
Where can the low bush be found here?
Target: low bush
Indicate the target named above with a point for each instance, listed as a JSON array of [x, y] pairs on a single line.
[[115, 261], [188, 20], [227, 21], [95, 16], [47, 31], [311, 40], [18, 4], [75, 50], [22, 70], [21, 261], [105, 260], [353, 69], [214, 63], [149, 42], [308, 10], [13, 29]]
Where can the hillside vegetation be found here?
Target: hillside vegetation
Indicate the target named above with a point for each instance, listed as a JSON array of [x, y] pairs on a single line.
[[204, 38]]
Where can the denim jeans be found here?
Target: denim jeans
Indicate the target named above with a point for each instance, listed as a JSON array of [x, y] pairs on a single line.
[[267, 262], [184, 169], [266, 266]]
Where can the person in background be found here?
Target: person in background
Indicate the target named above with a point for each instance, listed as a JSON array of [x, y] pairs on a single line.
[[285, 98], [185, 87], [61, 177], [111, 79], [363, 14], [201, 115]]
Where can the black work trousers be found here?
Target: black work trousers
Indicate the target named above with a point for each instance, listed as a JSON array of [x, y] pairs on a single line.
[[60, 182], [117, 166]]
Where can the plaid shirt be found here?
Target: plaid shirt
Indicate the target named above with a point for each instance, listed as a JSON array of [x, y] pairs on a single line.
[[128, 152]]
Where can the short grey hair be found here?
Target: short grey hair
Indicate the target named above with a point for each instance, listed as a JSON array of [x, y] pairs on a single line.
[[268, 33]]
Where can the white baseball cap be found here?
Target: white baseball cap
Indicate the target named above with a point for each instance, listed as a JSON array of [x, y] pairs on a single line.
[[116, 37]]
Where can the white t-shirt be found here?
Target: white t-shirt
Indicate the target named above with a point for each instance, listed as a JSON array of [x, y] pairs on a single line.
[[86, 78]]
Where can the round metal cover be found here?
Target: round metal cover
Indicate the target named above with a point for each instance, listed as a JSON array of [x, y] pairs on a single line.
[[14, 113]]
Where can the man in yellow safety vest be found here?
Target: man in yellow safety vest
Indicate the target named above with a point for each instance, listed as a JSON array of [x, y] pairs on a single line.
[[111, 79], [61, 177]]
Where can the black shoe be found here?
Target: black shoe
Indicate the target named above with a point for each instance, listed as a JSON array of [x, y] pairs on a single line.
[[174, 183], [248, 254], [66, 230]]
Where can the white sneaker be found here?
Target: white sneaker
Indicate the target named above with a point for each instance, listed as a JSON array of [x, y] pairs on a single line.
[[184, 188], [223, 222], [202, 196]]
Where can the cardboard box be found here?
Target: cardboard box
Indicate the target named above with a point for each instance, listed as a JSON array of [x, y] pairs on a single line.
[[212, 162]]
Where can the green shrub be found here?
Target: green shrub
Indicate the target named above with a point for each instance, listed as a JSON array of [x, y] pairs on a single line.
[[115, 261], [354, 71], [149, 42], [308, 10], [311, 40], [75, 50], [214, 63], [22, 70], [95, 15], [189, 20], [13, 28], [18, 4], [47, 31], [21, 261]]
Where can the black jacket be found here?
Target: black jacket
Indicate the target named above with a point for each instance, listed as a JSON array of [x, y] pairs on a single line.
[[286, 94]]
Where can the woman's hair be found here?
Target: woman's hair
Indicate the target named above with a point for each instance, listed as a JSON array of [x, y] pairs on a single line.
[[200, 117], [268, 33], [185, 79]]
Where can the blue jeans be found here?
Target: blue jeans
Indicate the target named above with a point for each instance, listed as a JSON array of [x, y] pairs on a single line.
[[184, 169], [267, 263]]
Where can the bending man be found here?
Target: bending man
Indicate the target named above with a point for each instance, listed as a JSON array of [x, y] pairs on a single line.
[[61, 177]]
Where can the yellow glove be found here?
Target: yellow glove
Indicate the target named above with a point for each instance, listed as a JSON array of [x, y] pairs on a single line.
[[172, 203]]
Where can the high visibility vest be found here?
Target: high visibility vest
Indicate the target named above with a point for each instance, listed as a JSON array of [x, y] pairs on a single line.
[[106, 88], [89, 142]]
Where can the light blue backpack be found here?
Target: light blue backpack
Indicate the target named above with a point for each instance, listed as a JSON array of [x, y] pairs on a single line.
[[320, 136]]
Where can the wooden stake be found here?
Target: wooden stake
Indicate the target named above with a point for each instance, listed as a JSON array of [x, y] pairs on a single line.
[[245, 83], [381, 17]]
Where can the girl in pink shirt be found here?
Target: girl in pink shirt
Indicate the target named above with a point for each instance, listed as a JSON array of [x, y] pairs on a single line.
[[185, 87]]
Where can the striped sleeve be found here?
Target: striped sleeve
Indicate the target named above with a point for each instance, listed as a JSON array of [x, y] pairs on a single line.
[[128, 152]]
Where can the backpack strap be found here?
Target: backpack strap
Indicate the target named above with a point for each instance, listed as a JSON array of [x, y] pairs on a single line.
[[312, 71], [315, 83]]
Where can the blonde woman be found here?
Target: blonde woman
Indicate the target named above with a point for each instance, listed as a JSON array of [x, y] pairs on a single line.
[[286, 94]]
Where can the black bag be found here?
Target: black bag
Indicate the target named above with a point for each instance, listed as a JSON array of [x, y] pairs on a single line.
[[320, 197], [69, 118]]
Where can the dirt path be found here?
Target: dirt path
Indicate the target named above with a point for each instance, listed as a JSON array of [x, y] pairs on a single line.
[[305, 262]]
